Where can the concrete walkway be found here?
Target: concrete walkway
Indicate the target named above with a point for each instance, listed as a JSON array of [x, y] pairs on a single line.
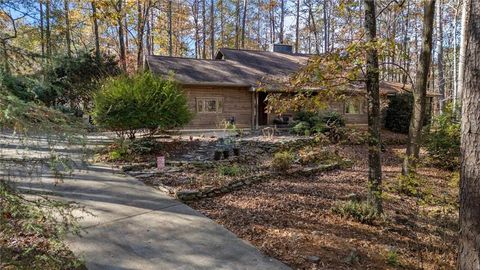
[[134, 226]]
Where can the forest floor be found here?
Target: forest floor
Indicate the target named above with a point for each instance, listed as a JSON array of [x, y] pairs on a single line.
[[291, 217]]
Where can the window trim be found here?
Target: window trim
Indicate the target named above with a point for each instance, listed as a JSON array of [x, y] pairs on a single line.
[[204, 100], [357, 103]]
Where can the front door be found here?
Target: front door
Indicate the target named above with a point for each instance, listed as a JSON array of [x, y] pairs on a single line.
[[262, 106]]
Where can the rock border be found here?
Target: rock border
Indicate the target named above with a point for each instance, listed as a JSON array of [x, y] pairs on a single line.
[[209, 192]]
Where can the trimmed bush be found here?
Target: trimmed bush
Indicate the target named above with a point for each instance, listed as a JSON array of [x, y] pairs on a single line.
[[144, 101]]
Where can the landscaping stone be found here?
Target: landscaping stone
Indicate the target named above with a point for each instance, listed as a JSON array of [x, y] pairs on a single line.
[[313, 259]]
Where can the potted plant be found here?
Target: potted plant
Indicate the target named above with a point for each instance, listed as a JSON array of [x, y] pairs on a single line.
[[236, 149], [226, 153], [218, 154]]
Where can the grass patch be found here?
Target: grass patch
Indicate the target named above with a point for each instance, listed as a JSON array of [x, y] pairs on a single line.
[[232, 170], [360, 211]]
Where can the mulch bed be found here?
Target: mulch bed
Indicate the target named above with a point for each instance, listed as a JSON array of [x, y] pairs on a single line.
[[290, 218]]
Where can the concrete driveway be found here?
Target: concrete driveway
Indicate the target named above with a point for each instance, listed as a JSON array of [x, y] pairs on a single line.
[[134, 226]]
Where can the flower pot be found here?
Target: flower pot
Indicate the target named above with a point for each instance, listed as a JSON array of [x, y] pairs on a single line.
[[218, 155], [236, 151], [226, 154]]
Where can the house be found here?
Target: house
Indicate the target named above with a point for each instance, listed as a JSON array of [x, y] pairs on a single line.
[[226, 88]]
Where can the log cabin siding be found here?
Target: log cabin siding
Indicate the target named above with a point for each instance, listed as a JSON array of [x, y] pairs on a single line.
[[237, 103]]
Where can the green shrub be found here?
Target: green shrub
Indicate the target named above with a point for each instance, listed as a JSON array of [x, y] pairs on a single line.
[[399, 111], [443, 141], [410, 184], [314, 123], [282, 161], [392, 258], [144, 101], [300, 128], [359, 211], [232, 170]]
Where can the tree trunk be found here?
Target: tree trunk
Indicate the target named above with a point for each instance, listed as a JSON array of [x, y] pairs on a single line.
[[297, 26], [244, 20], [406, 51], [374, 121], [204, 29], [67, 27], [212, 28], [42, 30], [440, 65], [282, 21], [461, 58], [420, 90], [170, 35], [197, 26], [121, 38], [222, 22], [325, 26], [95, 30], [469, 238], [237, 24], [314, 28], [47, 30]]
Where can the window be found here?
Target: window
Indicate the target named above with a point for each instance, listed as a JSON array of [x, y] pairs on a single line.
[[354, 106], [209, 105]]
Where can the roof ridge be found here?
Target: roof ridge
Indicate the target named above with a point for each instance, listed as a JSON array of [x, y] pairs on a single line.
[[187, 58]]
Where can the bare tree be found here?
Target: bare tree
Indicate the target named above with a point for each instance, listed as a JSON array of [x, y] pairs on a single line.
[[440, 65], [237, 24], [461, 58], [66, 12], [469, 250], [244, 21], [374, 118], [297, 25], [212, 28], [420, 90], [282, 21], [121, 35], [170, 34]]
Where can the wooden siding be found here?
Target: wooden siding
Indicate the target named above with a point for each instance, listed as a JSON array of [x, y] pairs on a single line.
[[237, 102]]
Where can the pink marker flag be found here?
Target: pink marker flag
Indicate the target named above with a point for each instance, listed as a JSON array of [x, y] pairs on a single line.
[[160, 163]]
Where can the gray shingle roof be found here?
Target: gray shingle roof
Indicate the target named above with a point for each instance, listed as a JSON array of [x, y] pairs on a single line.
[[235, 67]]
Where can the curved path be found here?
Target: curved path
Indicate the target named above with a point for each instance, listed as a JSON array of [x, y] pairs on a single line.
[[134, 226]]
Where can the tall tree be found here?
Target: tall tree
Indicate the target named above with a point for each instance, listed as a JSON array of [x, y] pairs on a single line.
[[244, 21], [212, 28], [204, 29], [325, 26], [42, 30], [282, 21], [297, 26], [463, 46], [95, 29], [420, 90], [469, 250], [237, 24], [440, 65], [48, 32], [374, 117], [170, 34], [121, 35], [66, 11]]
